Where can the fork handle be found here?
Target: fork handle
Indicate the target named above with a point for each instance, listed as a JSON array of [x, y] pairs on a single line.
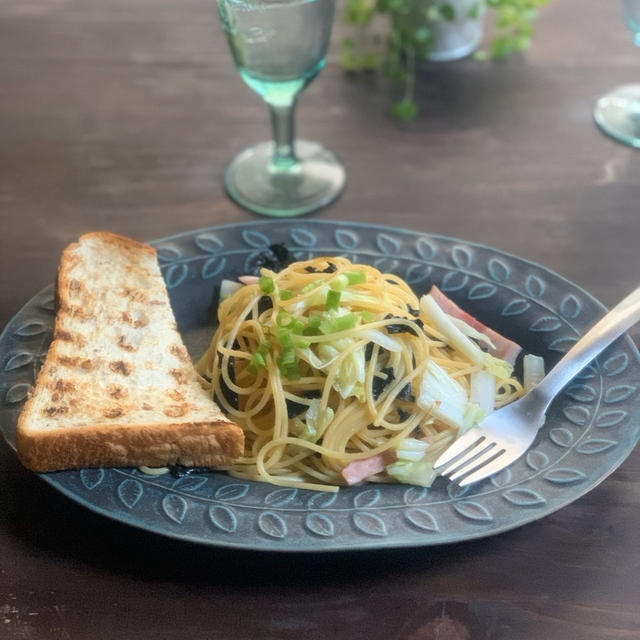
[[624, 315]]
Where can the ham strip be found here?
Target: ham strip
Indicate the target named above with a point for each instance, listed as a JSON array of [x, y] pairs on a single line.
[[503, 347], [360, 470]]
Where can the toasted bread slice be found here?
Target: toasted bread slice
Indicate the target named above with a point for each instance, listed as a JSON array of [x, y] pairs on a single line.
[[118, 387]]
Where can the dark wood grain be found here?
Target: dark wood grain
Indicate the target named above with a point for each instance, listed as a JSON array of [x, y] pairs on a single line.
[[122, 115]]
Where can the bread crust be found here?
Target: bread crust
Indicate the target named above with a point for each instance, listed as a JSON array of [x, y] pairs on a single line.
[[52, 433]]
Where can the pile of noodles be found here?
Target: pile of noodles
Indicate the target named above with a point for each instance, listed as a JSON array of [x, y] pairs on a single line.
[[319, 380]]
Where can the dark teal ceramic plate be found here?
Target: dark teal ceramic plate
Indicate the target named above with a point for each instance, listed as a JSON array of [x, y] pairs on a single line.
[[591, 427]]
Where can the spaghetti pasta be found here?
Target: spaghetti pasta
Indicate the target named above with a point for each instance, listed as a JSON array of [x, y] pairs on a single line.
[[327, 363]]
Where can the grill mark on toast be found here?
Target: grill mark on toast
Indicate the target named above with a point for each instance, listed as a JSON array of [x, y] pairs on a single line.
[[179, 375], [116, 391], [55, 411], [175, 410], [123, 344], [75, 361], [114, 412], [179, 352], [135, 295], [119, 366], [136, 323]]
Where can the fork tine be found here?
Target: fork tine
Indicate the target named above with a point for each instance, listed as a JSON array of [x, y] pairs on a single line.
[[468, 440], [489, 454], [504, 460], [467, 457]]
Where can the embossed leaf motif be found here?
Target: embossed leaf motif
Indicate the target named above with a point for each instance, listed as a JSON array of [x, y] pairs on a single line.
[[610, 418], [534, 286], [417, 272], [17, 393], [562, 344], [581, 392], [461, 257], [561, 436], [386, 265], [302, 237], [454, 281], [546, 323], [18, 360], [168, 254], [366, 498], [272, 525], [473, 511], [499, 270], [523, 497], [223, 518], [564, 475], [422, 519], [616, 364], [321, 500], [425, 249], [456, 491], [190, 483], [255, 239], [233, 491], [91, 478], [280, 497], [482, 291], [49, 304], [414, 495], [516, 307], [175, 275], [130, 491], [31, 328], [577, 415], [388, 244], [502, 478], [595, 445], [370, 524], [320, 524], [570, 307], [619, 393], [346, 239], [209, 243], [175, 507], [537, 459], [213, 266]]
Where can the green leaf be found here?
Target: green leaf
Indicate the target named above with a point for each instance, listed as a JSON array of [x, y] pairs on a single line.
[[447, 11], [406, 110]]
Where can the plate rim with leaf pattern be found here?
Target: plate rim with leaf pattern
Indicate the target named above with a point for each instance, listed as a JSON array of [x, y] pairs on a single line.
[[591, 427]]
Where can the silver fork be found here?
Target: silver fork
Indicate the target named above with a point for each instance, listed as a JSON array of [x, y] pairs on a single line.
[[504, 435]]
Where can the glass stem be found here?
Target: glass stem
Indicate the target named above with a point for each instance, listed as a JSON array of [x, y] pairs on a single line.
[[282, 121]]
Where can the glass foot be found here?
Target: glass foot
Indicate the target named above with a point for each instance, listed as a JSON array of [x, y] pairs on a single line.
[[253, 182], [618, 114]]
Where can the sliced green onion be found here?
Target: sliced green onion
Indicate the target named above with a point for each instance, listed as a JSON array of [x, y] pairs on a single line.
[[366, 316], [263, 347], [340, 282], [333, 299], [343, 323], [302, 344], [297, 326], [356, 277], [266, 284], [285, 338], [283, 318]]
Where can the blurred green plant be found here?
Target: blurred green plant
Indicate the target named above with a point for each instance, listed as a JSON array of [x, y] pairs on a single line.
[[407, 37]]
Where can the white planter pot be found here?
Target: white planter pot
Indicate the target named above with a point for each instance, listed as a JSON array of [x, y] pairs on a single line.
[[457, 38]]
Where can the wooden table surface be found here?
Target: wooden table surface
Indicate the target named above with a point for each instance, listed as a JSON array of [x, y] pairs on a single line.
[[122, 115]]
